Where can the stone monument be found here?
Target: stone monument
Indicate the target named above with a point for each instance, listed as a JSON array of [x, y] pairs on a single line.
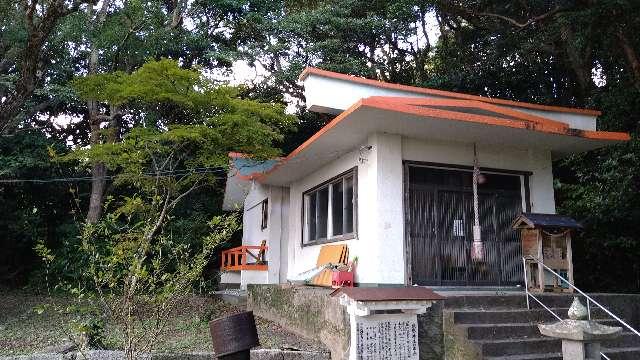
[[383, 321], [580, 337]]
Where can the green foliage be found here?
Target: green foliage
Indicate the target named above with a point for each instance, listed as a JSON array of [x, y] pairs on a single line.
[[31, 212], [130, 260], [197, 111], [135, 280]]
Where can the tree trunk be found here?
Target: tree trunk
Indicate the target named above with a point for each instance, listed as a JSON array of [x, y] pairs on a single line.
[[98, 170], [632, 57], [98, 184], [580, 61]]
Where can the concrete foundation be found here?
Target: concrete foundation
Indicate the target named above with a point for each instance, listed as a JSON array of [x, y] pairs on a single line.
[[311, 312], [467, 325], [308, 311]]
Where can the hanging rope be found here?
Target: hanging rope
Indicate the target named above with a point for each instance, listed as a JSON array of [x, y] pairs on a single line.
[[477, 251]]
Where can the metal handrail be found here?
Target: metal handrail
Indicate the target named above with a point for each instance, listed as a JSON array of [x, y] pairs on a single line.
[[589, 298]]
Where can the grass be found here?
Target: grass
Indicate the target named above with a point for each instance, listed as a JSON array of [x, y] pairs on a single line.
[[24, 330]]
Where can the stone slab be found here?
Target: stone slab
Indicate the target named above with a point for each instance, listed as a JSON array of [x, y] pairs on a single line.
[[257, 354], [580, 330]]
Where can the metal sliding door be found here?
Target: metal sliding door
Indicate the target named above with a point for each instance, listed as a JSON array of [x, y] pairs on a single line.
[[439, 210]]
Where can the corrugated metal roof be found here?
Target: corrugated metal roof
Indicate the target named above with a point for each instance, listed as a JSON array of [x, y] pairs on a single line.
[[535, 220], [248, 166], [388, 294]]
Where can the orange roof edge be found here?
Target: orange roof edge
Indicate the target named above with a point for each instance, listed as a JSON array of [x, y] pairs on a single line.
[[379, 102], [236, 155], [427, 91], [313, 138]]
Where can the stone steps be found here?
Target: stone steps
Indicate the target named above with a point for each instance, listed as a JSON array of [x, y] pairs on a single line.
[[510, 330], [502, 328], [546, 345], [629, 353], [632, 353]]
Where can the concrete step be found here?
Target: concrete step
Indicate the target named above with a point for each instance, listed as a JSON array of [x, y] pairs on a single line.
[[501, 331], [548, 356], [504, 316], [519, 346], [507, 301], [625, 340], [629, 353], [525, 330]]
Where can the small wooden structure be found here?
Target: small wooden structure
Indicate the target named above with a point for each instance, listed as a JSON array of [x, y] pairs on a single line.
[[546, 238]]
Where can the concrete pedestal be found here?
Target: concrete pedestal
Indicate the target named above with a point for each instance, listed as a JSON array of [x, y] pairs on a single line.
[[384, 322], [580, 338], [573, 349]]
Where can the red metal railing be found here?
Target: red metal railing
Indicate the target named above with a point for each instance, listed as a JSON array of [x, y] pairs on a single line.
[[241, 258]]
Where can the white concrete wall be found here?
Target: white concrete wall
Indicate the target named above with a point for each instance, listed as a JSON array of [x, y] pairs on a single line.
[[384, 256], [331, 95], [253, 277], [379, 244], [536, 161], [276, 233], [252, 234], [380, 224], [301, 258], [284, 236], [230, 277]]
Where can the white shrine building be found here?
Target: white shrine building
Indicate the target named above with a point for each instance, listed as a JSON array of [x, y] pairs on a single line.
[[391, 177]]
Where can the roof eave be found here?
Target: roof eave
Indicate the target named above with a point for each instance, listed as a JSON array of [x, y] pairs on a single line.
[[427, 91]]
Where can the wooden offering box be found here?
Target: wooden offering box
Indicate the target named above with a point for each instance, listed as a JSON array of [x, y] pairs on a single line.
[[547, 238]]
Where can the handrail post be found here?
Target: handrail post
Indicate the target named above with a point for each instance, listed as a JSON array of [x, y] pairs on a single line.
[[526, 285], [588, 309], [589, 299]]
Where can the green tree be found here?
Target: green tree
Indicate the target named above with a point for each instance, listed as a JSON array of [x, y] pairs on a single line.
[[25, 41], [185, 126]]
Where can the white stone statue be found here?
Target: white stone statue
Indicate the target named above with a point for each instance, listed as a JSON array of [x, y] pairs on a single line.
[[577, 311]]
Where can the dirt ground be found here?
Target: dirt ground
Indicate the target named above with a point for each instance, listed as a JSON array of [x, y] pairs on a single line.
[[24, 330]]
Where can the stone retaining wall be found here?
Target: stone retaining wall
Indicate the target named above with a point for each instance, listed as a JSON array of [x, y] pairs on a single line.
[[308, 311], [311, 312]]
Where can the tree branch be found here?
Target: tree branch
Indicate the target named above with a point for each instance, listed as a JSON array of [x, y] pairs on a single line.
[[632, 57], [533, 20]]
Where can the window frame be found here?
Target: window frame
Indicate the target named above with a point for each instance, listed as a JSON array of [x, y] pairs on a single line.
[[353, 172], [264, 214]]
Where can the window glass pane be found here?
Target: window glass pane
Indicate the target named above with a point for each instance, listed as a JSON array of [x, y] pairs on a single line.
[[323, 212], [311, 216], [349, 206], [337, 207], [265, 214]]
